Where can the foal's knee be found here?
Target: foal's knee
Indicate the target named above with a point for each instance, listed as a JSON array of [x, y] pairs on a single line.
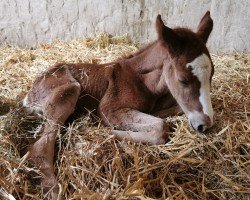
[[61, 102]]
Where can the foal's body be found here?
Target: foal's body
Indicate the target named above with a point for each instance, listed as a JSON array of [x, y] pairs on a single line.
[[168, 72]]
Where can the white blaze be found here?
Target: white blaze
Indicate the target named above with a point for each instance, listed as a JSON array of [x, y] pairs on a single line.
[[202, 69]]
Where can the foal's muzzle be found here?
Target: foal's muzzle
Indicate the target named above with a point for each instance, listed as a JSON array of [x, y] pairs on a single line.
[[200, 122], [201, 128]]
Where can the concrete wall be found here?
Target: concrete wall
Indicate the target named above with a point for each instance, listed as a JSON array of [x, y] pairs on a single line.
[[27, 22]]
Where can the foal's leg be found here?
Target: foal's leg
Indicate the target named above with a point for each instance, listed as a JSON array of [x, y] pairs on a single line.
[[166, 106], [59, 105], [172, 111], [136, 126]]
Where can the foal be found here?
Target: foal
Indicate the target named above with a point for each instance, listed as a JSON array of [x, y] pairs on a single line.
[[171, 74]]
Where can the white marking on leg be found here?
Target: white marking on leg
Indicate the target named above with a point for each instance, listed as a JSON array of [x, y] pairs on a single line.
[[202, 69], [141, 127], [31, 107], [25, 101]]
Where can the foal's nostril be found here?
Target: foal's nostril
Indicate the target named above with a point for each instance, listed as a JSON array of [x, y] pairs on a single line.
[[202, 128]]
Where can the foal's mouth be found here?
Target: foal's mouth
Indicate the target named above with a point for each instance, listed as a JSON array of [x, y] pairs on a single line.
[[191, 125], [201, 128]]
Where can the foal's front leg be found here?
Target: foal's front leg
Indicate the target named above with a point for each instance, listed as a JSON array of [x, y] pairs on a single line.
[[168, 112], [136, 126], [166, 106]]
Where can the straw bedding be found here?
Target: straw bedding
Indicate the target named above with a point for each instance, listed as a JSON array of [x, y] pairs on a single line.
[[91, 164]]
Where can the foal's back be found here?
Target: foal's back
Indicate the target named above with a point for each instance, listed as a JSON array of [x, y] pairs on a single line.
[[96, 81]]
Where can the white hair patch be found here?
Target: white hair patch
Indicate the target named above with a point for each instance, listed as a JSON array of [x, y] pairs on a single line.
[[202, 69]]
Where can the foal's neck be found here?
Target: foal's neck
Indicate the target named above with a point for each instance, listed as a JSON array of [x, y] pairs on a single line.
[[146, 60], [148, 64]]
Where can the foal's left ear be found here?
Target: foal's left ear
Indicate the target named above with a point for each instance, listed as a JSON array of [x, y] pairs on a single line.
[[205, 27], [166, 34]]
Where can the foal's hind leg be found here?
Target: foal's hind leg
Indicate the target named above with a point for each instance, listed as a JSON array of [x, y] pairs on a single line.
[[59, 105]]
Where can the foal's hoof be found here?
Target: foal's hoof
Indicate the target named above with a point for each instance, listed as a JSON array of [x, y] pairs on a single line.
[[50, 192], [161, 140], [50, 188], [162, 134], [49, 184]]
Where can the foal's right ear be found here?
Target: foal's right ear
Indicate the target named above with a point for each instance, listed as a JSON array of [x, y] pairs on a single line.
[[166, 34], [205, 27]]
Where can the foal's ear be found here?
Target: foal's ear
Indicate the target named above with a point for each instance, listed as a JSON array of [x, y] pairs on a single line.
[[205, 27], [165, 33]]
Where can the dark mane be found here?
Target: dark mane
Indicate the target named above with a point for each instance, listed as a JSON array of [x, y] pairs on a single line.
[[141, 50]]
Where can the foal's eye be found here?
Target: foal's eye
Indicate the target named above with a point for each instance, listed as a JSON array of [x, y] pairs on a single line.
[[184, 82]]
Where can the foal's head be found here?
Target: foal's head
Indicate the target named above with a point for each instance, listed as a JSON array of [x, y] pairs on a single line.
[[188, 70]]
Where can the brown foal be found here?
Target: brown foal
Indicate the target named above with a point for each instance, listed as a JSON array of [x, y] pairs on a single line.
[[170, 75]]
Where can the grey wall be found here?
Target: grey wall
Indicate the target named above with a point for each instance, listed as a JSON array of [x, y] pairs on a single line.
[[27, 22]]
